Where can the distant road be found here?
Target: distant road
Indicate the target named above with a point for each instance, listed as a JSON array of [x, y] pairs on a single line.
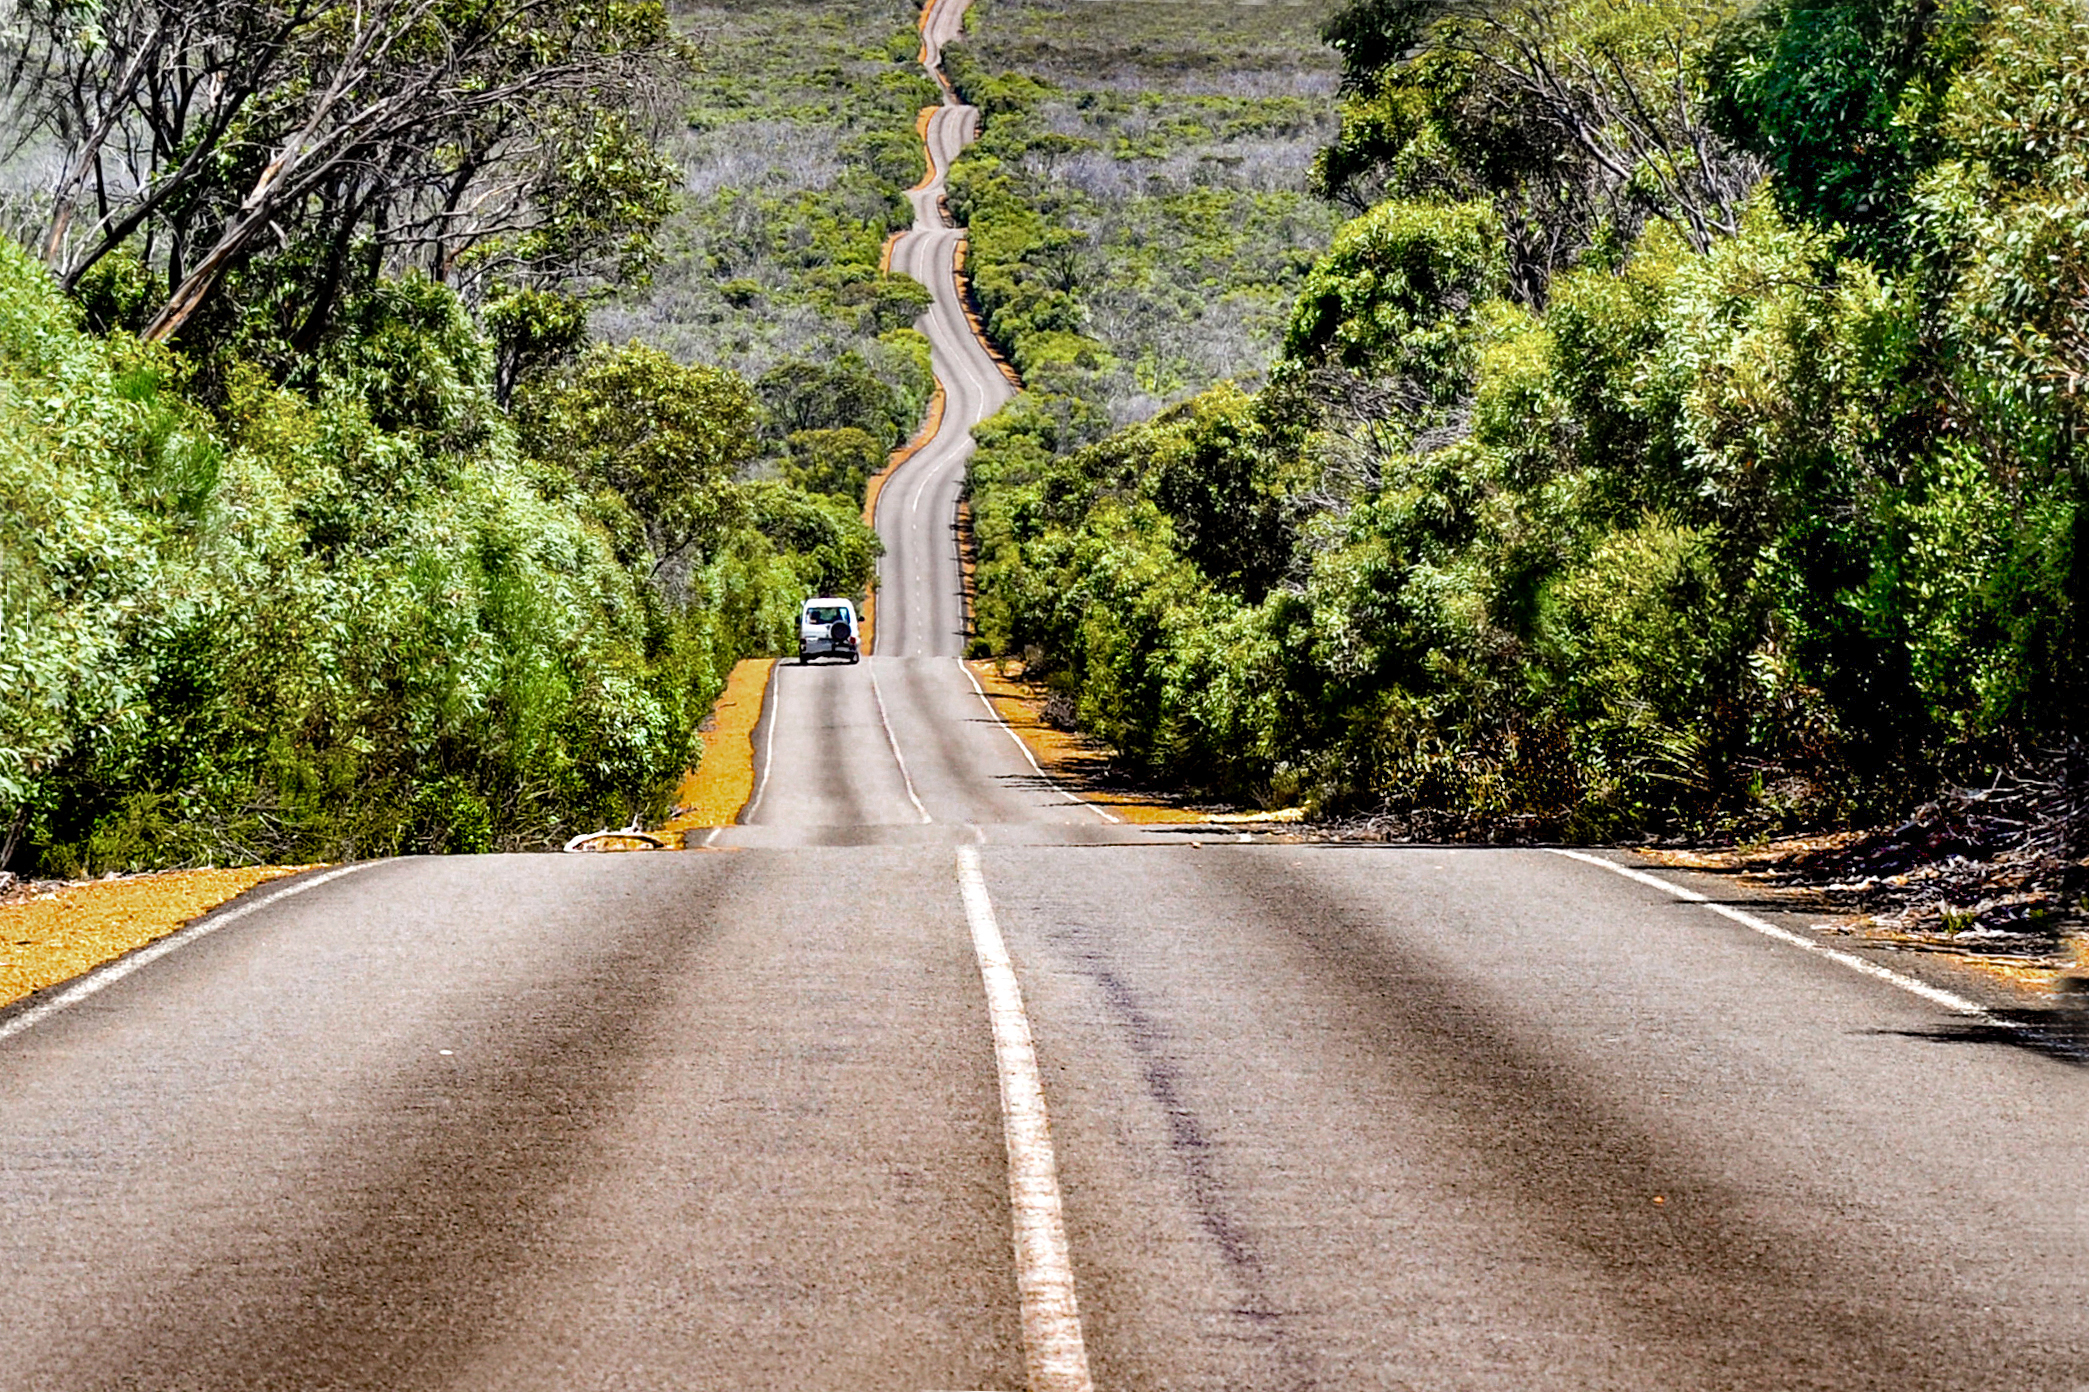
[[920, 604], [1319, 1116]]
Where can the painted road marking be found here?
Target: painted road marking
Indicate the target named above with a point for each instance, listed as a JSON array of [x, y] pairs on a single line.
[[914, 506], [774, 715], [964, 349], [1051, 782], [1934, 994], [1053, 1350], [109, 974], [897, 757]]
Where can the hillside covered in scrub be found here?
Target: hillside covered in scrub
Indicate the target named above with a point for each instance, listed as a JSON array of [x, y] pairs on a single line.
[[327, 530], [1683, 434], [1136, 211]]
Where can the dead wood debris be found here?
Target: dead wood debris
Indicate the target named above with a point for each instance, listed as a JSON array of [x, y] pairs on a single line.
[[1998, 870], [16, 890]]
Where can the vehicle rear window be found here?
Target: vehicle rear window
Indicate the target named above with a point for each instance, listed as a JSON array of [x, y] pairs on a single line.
[[826, 613]]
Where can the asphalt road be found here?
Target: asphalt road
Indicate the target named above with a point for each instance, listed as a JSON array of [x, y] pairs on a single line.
[[1321, 1116], [921, 596]]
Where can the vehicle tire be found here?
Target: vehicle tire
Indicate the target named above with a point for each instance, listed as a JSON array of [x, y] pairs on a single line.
[[855, 658]]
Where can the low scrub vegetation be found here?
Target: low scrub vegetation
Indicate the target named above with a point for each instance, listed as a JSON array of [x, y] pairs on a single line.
[[1136, 202], [1685, 434], [795, 153], [341, 538]]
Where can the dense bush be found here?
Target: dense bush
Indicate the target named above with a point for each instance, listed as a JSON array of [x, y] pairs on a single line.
[[1655, 530], [387, 557], [360, 618]]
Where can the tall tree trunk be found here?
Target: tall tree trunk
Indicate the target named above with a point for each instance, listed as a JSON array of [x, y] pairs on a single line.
[[68, 192]]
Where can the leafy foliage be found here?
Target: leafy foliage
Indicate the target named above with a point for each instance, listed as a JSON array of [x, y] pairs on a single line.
[[363, 618], [309, 587], [1579, 122], [666, 440], [1843, 101], [264, 158], [1761, 515], [834, 463]]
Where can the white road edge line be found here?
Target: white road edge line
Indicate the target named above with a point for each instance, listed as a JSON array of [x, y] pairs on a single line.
[[1053, 1349], [1935, 995], [897, 757], [927, 476], [109, 974], [1049, 780], [772, 694]]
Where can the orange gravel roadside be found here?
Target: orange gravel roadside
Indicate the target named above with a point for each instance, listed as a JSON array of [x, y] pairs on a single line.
[[713, 793], [1071, 759], [54, 936]]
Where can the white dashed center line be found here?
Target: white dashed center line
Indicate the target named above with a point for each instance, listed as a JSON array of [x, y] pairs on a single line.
[[1053, 1349], [893, 741]]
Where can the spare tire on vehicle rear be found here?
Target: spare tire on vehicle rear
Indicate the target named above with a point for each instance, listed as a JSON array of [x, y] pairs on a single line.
[[840, 632]]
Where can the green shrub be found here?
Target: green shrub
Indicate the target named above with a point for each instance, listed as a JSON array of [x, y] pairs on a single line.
[[1774, 527], [358, 619]]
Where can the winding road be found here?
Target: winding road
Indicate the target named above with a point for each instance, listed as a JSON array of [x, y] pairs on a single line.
[[927, 1075]]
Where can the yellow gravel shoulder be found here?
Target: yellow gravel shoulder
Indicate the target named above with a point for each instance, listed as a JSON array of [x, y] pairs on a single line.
[[54, 936], [715, 791]]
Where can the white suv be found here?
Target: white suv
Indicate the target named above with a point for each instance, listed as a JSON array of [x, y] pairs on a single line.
[[827, 628]]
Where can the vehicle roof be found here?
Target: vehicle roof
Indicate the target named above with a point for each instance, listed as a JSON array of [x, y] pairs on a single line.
[[826, 599]]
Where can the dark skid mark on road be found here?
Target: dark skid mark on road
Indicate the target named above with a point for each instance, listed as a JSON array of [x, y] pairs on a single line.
[[394, 1293], [1750, 1304], [1193, 1150], [945, 760], [1261, 1323], [1185, 1137]]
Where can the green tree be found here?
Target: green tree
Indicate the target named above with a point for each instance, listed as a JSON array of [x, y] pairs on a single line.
[[337, 142], [533, 331], [1579, 122], [1842, 99], [832, 462], [1392, 293], [836, 395], [669, 440]]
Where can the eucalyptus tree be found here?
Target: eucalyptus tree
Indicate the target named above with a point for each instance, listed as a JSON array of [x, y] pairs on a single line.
[[666, 439], [484, 142], [1579, 121]]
